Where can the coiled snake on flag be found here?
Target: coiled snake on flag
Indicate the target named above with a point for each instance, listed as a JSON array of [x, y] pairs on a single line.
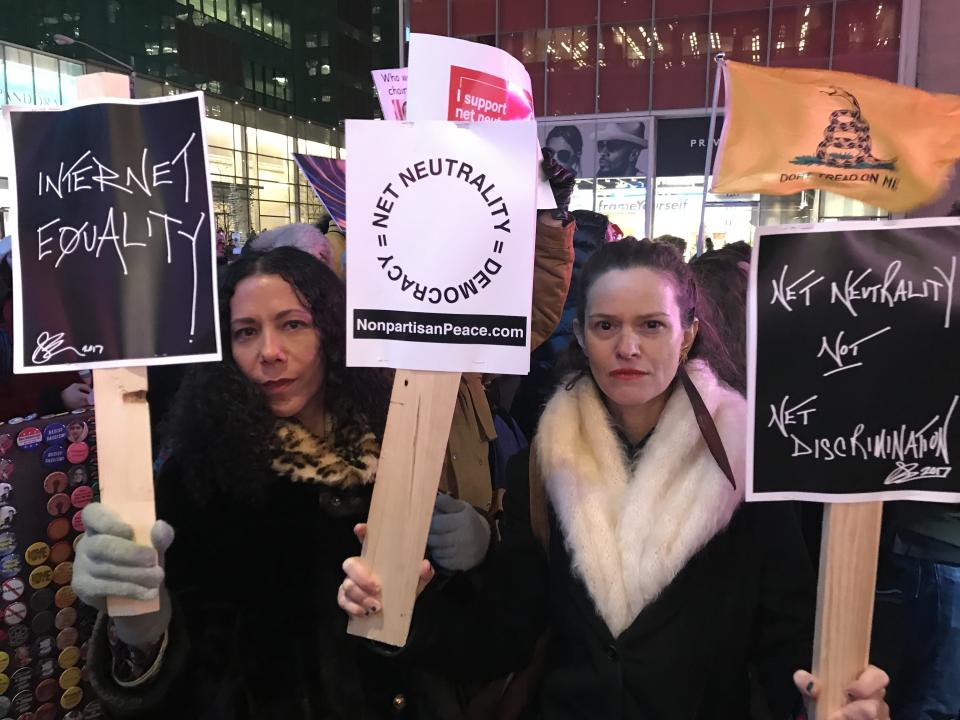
[[847, 131]]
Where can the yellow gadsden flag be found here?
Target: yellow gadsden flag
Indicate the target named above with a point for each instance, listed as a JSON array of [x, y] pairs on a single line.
[[789, 130]]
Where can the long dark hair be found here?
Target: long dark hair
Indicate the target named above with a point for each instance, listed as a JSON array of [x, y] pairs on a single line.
[[220, 428], [631, 253]]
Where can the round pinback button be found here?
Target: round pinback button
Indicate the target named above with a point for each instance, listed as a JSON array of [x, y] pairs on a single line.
[[70, 678], [5, 490], [55, 433], [53, 457], [8, 514], [58, 505], [14, 613], [22, 656], [58, 529], [22, 702], [55, 482], [68, 657], [78, 475], [77, 431], [42, 623], [43, 647], [4, 684], [7, 468], [8, 543], [30, 438], [6, 442], [11, 589], [4, 663], [77, 523], [65, 597], [22, 680], [67, 637], [61, 551], [41, 577], [5, 704], [10, 566], [18, 635], [81, 497], [41, 600], [37, 554], [47, 667], [65, 618], [71, 698], [78, 452], [63, 573], [93, 711], [47, 711]]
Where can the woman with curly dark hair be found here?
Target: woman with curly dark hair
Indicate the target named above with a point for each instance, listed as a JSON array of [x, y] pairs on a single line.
[[274, 452]]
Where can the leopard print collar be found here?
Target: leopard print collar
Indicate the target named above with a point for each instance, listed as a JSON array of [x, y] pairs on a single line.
[[345, 458]]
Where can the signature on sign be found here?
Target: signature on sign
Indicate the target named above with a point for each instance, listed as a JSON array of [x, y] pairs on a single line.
[[907, 472], [50, 345]]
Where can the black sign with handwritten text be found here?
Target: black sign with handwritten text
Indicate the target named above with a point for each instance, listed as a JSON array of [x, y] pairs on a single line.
[[114, 235], [855, 381]]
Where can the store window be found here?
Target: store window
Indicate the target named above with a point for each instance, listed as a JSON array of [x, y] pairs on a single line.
[[629, 11], [801, 35], [624, 61], [474, 17], [571, 70], [46, 78], [678, 8], [429, 16], [867, 38], [561, 13], [742, 36], [680, 63], [256, 17], [69, 72], [19, 72], [522, 15]]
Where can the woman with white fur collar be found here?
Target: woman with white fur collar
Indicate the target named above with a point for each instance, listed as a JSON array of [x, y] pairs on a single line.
[[665, 596]]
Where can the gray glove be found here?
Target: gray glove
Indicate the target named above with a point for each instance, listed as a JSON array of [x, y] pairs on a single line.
[[459, 535], [110, 564]]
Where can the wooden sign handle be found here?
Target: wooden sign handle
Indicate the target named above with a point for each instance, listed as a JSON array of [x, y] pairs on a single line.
[[124, 459], [848, 578], [411, 459]]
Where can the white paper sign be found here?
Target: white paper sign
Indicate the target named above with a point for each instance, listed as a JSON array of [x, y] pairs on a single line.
[[452, 79], [391, 87], [440, 272]]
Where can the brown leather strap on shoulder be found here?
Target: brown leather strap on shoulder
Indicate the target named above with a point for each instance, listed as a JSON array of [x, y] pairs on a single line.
[[707, 427], [539, 520]]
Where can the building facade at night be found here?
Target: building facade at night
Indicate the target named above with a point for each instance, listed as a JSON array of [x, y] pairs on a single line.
[[644, 71]]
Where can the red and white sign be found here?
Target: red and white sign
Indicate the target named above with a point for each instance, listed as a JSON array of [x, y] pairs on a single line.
[[463, 81], [477, 96]]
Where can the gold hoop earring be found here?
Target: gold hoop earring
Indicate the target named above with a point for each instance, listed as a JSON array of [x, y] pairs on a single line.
[[683, 356]]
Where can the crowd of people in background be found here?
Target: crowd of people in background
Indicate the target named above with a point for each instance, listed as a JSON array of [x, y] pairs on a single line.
[[589, 554]]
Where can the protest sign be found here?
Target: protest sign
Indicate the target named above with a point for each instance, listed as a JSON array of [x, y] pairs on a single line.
[[441, 245], [114, 252], [852, 392], [391, 87], [328, 178], [853, 383], [453, 79]]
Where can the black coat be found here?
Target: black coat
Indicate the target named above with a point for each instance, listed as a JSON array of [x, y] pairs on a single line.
[[742, 606], [256, 631]]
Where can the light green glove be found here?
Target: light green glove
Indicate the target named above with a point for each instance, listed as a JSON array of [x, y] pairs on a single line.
[[110, 564]]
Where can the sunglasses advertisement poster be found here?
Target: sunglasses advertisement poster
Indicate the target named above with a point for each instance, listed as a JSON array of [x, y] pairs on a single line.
[[463, 81], [114, 258], [452, 293], [853, 339]]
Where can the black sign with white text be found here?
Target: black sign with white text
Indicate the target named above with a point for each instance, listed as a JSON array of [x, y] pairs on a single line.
[[114, 244], [854, 386]]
